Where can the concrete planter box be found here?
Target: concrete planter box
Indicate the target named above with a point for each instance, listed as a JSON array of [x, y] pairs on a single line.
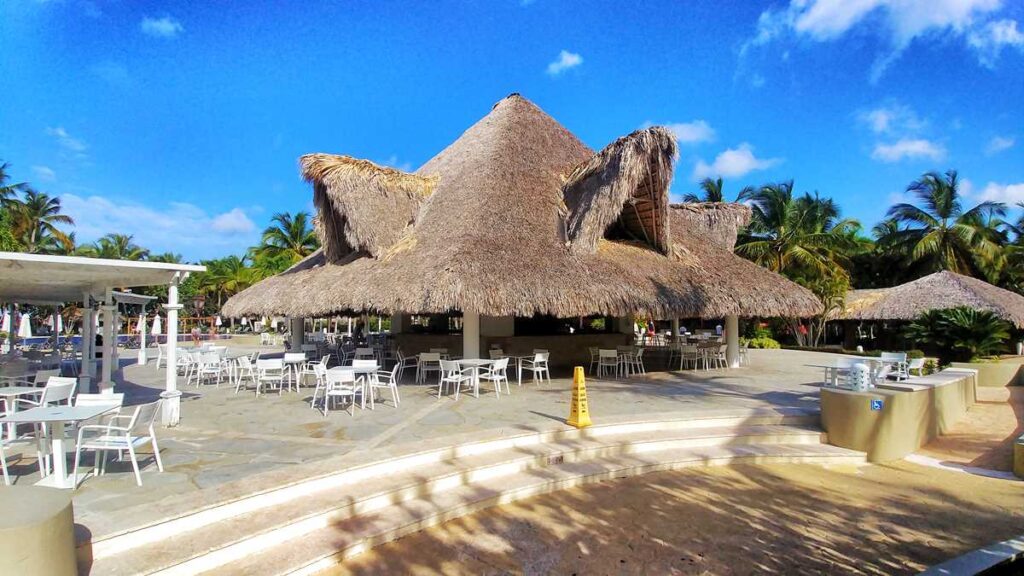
[[1005, 372]]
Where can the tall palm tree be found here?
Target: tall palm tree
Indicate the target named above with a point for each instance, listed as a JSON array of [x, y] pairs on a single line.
[[939, 234], [800, 237], [712, 192], [225, 277], [9, 192], [114, 247], [288, 236], [166, 257], [34, 221]]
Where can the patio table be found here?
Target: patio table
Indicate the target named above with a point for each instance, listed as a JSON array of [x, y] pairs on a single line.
[[475, 364], [10, 395], [57, 417]]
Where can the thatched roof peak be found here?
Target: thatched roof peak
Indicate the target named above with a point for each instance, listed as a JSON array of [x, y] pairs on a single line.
[[934, 292], [518, 217], [361, 205]]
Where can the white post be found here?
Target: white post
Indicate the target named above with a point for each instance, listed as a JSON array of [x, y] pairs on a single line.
[[380, 324], [142, 336], [675, 329], [732, 341], [297, 326], [171, 395], [470, 334], [88, 371], [349, 326], [107, 379], [56, 323]]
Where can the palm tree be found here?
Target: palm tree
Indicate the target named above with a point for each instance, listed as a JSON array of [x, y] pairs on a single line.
[[166, 257], [712, 190], [34, 221], [288, 236], [114, 247], [799, 237], [940, 234], [9, 192], [225, 277]]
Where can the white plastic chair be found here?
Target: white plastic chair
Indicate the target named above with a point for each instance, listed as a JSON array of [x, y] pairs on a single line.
[[342, 384], [607, 360], [293, 362], [688, 354], [915, 364], [406, 362], [538, 366], [139, 431], [454, 378], [244, 370], [365, 354], [428, 362], [269, 373], [497, 373], [387, 379], [496, 353], [595, 358]]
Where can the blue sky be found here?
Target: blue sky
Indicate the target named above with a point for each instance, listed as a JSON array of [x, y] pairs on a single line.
[[181, 122]]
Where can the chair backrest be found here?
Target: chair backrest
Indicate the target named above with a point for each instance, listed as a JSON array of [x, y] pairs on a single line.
[[894, 356], [915, 364], [325, 359], [335, 377], [112, 400], [363, 363], [58, 390], [294, 356], [501, 365], [210, 358], [430, 357], [320, 370], [540, 357], [594, 351], [689, 348], [603, 353], [448, 366], [244, 362], [43, 376], [495, 353], [540, 351], [144, 417]]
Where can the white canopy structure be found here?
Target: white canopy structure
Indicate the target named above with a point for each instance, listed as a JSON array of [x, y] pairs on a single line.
[[44, 279]]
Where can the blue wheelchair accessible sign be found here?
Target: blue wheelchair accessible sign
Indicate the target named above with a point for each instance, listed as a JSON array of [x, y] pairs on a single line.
[[877, 404]]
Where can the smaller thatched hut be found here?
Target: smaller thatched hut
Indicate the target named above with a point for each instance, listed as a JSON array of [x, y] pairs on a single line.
[[934, 292]]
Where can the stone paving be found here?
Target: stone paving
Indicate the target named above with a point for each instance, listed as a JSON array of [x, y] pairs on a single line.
[[226, 437]]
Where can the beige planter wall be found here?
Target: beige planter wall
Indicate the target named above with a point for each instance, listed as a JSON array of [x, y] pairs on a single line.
[[1006, 372]]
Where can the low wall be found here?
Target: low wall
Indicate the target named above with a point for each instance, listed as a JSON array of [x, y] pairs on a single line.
[[1005, 372], [566, 350], [894, 420]]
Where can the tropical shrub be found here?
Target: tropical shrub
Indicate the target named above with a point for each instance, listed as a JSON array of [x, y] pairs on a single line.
[[763, 342], [960, 334]]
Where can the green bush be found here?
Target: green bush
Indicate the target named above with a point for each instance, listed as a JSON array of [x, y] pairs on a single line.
[[911, 354], [763, 342], [960, 334]]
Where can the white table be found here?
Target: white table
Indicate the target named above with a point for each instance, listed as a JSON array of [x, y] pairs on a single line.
[[475, 364], [10, 395], [56, 417]]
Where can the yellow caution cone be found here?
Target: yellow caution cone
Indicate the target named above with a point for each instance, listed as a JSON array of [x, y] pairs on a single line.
[[579, 414]]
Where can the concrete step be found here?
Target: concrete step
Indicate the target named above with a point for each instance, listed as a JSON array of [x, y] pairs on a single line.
[[308, 505], [319, 543]]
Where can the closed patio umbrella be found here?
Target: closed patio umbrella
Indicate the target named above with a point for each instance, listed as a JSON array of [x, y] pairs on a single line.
[[245, 321], [5, 323], [156, 325], [218, 321], [25, 326]]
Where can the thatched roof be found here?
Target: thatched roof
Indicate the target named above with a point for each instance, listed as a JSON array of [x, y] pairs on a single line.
[[933, 292], [518, 217]]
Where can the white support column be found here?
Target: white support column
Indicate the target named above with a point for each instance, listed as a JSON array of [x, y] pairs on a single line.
[[142, 336], [88, 372], [117, 332], [675, 328], [470, 334], [171, 395], [297, 327], [349, 326], [732, 341], [107, 379]]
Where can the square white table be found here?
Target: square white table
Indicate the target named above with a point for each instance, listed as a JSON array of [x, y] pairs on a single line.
[[10, 395], [56, 417], [357, 370], [475, 364]]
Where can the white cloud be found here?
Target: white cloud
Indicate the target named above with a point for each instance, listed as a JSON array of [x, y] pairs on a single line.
[[66, 141], [233, 221], [990, 40], [1007, 193], [44, 173], [892, 118], [733, 163], [176, 227], [692, 132], [565, 61], [899, 22], [393, 162], [165, 27], [908, 148], [999, 143]]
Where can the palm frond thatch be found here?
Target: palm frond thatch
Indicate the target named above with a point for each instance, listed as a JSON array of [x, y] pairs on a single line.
[[933, 292], [361, 205], [491, 238], [627, 182]]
